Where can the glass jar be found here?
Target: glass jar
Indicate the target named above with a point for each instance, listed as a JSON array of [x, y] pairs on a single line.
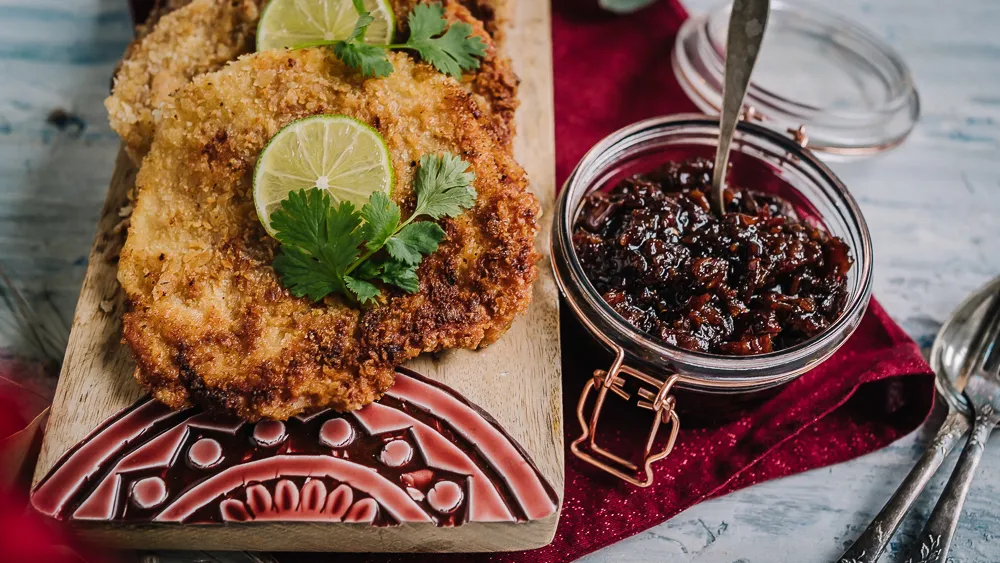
[[662, 377], [851, 92]]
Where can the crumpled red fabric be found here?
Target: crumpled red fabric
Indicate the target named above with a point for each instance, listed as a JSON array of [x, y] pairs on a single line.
[[27, 537]]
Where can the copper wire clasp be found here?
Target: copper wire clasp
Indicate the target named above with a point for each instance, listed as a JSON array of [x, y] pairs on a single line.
[[654, 395]]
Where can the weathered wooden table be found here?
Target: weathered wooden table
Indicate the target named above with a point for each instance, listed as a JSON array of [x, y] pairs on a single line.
[[933, 207]]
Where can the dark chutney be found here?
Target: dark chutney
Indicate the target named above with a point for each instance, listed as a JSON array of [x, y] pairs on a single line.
[[759, 279]]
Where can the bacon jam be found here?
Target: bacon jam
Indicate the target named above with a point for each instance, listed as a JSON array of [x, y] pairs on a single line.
[[756, 280]]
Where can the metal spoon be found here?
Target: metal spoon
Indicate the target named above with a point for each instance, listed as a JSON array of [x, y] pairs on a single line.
[[746, 31], [983, 392], [955, 349]]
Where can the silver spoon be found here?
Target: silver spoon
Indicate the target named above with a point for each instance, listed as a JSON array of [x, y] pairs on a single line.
[[983, 391], [746, 31], [955, 348]]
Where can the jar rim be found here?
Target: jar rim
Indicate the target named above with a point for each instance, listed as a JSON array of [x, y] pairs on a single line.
[[715, 370], [813, 43]]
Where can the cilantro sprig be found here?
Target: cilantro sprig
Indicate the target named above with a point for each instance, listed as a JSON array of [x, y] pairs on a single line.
[[451, 49], [328, 248]]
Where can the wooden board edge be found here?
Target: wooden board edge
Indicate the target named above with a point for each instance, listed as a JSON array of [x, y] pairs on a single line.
[[97, 308], [531, 31], [322, 537]]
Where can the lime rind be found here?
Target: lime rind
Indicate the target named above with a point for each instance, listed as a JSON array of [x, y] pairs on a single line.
[[297, 23], [337, 153]]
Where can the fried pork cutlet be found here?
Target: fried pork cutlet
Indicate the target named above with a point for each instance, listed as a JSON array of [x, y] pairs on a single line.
[[493, 14], [186, 38], [208, 320], [159, 9], [197, 38], [494, 83]]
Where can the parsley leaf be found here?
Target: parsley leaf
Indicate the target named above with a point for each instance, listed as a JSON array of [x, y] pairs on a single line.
[[450, 49], [366, 292], [381, 217], [444, 186], [319, 242], [301, 219], [356, 53], [370, 59], [451, 53], [304, 276], [426, 20], [368, 270], [340, 249], [365, 19], [415, 241], [401, 276]]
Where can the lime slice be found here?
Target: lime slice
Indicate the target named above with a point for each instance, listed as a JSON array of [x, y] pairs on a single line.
[[336, 153], [300, 23]]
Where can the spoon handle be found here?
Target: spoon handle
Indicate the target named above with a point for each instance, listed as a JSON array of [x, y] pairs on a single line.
[[746, 31], [936, 538], [870, 545]]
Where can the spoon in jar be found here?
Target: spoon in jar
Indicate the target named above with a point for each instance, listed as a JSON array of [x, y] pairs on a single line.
[[747, 21], [956, 349]]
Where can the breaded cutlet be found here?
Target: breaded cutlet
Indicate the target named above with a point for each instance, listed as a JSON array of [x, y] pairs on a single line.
[[187, 38], [208, 319]]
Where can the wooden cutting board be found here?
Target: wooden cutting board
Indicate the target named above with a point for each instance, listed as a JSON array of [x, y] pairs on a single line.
[[465, 454]]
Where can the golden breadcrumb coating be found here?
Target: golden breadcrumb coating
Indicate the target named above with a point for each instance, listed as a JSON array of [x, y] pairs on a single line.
[[208, 321], [197, 38], [160, 8], [186, 38], [493, 14], [494, 83]]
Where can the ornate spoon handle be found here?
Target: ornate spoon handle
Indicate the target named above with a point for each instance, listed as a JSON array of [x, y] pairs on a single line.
[[870, 545], [936, 538]]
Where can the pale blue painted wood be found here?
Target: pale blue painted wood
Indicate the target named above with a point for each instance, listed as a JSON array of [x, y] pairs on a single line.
[[932, 206], [54, 54]]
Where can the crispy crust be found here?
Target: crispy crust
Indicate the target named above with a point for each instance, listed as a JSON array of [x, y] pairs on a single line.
[[186, 38], [208, 320], [160, 8], [495, 83], [493, 13], [197, 38]]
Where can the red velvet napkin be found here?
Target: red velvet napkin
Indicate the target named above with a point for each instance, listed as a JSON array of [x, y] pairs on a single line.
[[611, 71]]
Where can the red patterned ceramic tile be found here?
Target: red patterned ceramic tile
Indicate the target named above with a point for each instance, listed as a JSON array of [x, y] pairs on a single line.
[[422, 454]]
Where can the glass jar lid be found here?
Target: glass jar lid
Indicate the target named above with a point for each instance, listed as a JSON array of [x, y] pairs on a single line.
[[845, 91]]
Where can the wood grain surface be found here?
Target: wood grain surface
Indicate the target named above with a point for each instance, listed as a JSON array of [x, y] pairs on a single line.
[[517, 380]]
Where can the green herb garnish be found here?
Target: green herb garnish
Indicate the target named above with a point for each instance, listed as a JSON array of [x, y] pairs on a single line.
[[451, 49], [328, 248]]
